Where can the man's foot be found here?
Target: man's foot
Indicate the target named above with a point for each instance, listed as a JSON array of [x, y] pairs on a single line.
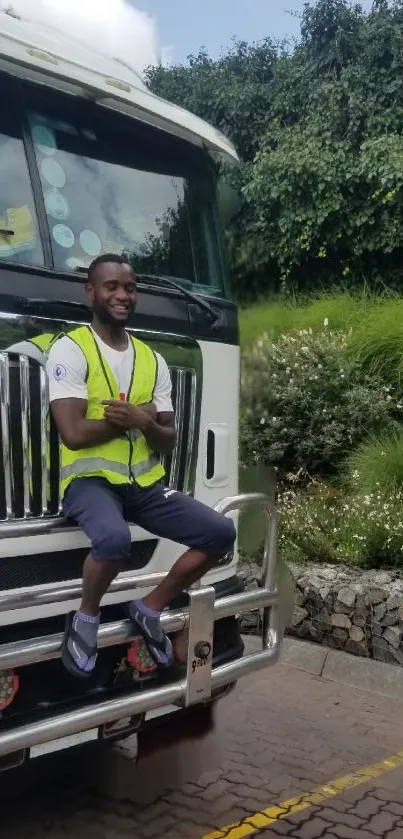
[[148, 623], [79, 648]]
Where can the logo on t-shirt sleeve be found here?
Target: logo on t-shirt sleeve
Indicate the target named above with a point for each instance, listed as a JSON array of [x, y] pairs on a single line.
[[59, 372]]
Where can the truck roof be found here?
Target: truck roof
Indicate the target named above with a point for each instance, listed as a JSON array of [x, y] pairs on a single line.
[[44, 55]]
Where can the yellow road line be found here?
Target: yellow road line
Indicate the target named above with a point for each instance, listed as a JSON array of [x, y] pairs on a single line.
[[259, 821]]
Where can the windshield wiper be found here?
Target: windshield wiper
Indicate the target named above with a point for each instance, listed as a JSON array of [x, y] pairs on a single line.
[[161, 279]]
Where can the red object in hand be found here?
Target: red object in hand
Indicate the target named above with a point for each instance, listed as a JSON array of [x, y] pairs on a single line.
[[122, 397]]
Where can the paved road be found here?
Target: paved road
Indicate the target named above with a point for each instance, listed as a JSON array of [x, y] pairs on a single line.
[[289, 753]]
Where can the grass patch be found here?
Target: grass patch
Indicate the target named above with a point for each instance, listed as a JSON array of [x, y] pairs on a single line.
[[377, 465], [340, 309], [378, 342], [274, 317]]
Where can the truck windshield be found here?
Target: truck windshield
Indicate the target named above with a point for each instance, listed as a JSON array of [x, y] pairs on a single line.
[[19, 236], [112, 185]]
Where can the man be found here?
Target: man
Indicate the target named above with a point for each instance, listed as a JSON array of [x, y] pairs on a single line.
[[110, 397]]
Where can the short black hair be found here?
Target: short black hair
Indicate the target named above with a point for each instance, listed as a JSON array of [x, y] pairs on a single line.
[[119, 259]]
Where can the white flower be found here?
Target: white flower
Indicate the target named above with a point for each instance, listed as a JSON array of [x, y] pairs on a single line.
[[326, 322]]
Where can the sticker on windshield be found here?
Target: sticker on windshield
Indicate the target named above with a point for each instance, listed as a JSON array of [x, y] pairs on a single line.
[[63, 235], [90, 242], [53, 172], [56, 204], [44, 139], [59, 372]]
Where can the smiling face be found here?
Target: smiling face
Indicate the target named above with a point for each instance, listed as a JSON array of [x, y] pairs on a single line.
[[112, 293]]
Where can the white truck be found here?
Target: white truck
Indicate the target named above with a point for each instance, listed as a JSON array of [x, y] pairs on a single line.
[[90, 162]]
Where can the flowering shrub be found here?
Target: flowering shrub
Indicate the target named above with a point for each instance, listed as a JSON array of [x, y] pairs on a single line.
[[307, 404], [325, 526]]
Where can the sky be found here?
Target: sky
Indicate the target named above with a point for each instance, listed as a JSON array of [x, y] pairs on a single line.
[[185, 25], [143, 32]]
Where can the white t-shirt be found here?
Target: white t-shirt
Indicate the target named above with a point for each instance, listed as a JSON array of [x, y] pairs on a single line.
[[67, 369]]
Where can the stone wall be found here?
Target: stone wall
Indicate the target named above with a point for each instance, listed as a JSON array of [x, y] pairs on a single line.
[[360, 612]]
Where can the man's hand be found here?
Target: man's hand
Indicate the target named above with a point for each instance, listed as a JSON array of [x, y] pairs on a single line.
[[149, 408], [158, 429], [129, 416]]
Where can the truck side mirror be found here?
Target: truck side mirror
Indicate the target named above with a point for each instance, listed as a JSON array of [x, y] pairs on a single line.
[[228, 200]]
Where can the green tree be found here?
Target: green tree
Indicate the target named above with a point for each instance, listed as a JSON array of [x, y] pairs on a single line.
[[331, 31], [320, 132], [232, 93]]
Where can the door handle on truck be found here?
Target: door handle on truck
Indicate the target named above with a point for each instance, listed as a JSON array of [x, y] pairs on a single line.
[[216, 454]]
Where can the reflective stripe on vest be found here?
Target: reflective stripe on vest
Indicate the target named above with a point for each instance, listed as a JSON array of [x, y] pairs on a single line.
[[100, 464], [121, 460]]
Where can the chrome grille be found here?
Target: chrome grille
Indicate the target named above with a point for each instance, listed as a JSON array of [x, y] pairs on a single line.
[[178, 465], [29, 455]]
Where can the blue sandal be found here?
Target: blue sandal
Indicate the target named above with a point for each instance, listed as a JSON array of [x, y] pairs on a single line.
[[70, 634], [158, 643]]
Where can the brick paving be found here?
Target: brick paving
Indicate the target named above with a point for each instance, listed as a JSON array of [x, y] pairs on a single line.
[[281, 734]]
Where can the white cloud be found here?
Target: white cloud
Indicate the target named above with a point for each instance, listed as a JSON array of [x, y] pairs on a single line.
[[109, 26]]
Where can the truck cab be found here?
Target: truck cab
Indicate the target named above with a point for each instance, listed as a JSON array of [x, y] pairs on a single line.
[[92, 162]]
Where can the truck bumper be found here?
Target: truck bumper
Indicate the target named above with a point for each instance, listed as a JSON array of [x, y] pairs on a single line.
[[204, 676]]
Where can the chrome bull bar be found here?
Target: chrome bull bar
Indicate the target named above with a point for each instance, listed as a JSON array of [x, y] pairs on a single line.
[[198, 620]]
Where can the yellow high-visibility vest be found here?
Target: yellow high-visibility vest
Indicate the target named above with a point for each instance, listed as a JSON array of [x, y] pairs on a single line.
[[125, 459], [44, 341]]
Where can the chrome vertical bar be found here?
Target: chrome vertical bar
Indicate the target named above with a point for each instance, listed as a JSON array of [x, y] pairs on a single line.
[[200, 645], [179, 415], [59, 497], [270, 550], [59, 466], [44, 439], [7, 475], [25, 433], [166, 460], [270, 635], [191, 430]]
